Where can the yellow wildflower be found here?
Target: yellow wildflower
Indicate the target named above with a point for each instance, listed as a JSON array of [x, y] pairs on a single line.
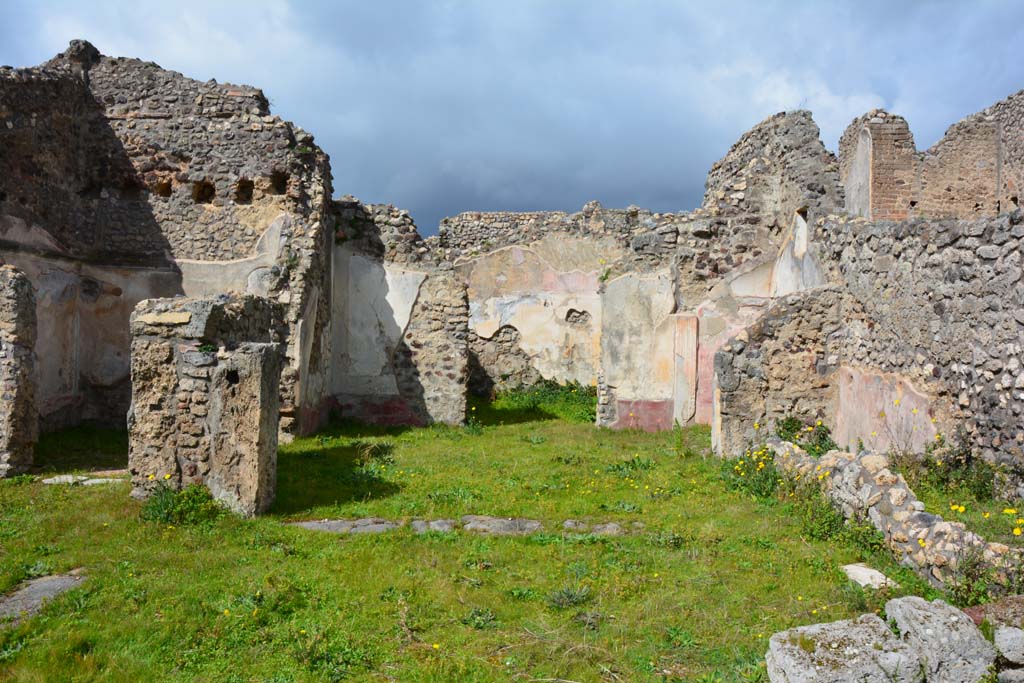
[[436, 646], [895, 401], [1016, 531], [166, 477], [1010, 511]]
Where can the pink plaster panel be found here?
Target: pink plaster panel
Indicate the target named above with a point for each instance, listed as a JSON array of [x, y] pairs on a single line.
[[883, 411], [650, 416]]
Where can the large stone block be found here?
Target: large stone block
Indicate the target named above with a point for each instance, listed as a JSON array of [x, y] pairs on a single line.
[[950, 646], [862, 650]]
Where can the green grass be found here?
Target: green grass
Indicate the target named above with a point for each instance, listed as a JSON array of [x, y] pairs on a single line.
[[697, 591]]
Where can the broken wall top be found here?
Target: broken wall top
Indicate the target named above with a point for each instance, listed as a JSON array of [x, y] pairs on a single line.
[[222, 320], [776, 168], [382, 231], [119, 161]]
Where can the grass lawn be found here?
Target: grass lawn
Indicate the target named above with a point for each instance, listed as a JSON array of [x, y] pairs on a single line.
[[693, 595]]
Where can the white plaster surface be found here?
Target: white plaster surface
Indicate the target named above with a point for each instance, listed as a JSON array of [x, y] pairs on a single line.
[[372, 304], [638, 336]]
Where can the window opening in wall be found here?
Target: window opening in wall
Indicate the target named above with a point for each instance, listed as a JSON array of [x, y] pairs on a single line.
[[243, 191], [278, 182], [203, 192], [1014, 203], [162, 188], [231, 377]]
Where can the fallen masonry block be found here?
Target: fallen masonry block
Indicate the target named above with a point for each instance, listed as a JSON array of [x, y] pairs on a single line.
[[79, 480], [861, 649], [952, 649], [866, 577], [1006, 615]]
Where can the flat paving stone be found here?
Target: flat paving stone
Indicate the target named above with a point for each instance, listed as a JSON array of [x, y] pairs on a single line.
[[334, 526], [607, 529], [422, 526], [368, 525], [501, 526], [99, 481], [30, 597], [373, 525]]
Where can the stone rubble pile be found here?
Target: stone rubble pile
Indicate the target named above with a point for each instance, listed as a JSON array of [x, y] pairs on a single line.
[[863, 487]]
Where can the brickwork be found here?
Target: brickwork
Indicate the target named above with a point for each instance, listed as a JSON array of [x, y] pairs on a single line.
[[975, 170]]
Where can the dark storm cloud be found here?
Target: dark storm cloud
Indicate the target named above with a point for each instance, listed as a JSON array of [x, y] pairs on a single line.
[[452, 106]]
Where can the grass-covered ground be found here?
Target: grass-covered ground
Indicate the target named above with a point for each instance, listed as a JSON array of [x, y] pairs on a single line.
[[692, 596]]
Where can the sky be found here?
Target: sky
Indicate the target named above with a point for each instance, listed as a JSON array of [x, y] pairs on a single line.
[[443, 107]]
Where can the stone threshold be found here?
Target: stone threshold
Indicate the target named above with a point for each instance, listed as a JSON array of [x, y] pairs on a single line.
[[482, 524]]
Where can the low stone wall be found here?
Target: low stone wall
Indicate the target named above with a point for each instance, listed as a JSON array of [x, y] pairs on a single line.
[[863, 487], [205, 402], [18, 412]]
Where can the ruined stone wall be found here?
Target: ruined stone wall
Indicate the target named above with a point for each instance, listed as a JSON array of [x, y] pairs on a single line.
[[18, 414], [976, 169], [959, 175], [123, 181], [499, 363], [879, 167], [784, 364], [634, 296], [1009, 114], [776, 168], [399, 338], [205, 402], [943, 304]]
